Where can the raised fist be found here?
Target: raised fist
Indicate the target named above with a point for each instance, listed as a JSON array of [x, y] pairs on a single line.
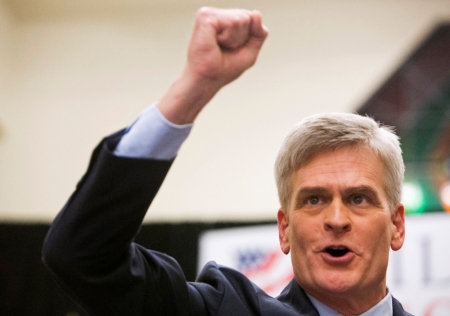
[[224, 43]]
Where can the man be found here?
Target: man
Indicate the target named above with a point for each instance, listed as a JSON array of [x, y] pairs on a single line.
[[338, 177]]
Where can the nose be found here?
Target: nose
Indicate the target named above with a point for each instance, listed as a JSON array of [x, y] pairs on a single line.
[[337, 217]]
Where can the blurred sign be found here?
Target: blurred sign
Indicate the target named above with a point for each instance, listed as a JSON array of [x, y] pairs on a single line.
[[418, 274], [254, 251]]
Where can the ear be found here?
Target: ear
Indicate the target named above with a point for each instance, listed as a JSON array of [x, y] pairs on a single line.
[[283, 231], [398, 227]]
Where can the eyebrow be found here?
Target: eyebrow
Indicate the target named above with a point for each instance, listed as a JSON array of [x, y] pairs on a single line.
[[364, 190], [308, 191]]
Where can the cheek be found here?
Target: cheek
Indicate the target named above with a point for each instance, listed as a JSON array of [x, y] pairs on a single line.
[[304, 233], [374, 235]]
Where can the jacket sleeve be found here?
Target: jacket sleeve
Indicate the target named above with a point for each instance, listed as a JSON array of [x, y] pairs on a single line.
[[89, 247]]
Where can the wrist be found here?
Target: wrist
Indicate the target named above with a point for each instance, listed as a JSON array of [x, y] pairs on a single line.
[[186, 97]]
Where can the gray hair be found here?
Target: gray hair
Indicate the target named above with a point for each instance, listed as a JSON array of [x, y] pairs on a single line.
[[320, 132]]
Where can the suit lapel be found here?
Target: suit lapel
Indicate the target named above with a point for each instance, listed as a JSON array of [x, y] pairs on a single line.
[[398, 309], [294, 296]]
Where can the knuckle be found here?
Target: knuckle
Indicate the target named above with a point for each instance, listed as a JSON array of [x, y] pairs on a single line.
[[204, 10], [204, 13], [240, 20]]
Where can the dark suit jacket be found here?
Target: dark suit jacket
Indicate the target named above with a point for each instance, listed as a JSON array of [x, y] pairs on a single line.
[[90, 252]]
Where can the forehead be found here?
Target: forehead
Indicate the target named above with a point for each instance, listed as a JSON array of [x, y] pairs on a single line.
[[341, 167]]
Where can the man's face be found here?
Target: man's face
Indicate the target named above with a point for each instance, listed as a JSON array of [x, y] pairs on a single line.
[[339, 226]]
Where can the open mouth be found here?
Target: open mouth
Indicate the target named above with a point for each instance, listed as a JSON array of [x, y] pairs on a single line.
[[337, 251]]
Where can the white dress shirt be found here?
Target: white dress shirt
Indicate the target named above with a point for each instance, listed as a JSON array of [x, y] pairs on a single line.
[[383, 308]]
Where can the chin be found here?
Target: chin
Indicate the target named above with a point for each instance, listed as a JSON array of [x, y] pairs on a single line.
[[337, 282]]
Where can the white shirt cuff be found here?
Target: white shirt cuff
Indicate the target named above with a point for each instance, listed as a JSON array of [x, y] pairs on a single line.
[[152, 136]]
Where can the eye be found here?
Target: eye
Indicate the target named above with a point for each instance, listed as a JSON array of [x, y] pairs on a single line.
[[314, 200], [358, 199]]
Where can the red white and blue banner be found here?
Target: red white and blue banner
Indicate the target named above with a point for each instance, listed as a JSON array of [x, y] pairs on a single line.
[[418, 274]]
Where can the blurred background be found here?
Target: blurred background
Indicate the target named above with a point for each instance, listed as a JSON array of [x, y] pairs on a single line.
[[72, 72]]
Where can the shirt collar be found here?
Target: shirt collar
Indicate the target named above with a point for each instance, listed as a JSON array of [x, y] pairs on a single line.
[[384, 307]]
